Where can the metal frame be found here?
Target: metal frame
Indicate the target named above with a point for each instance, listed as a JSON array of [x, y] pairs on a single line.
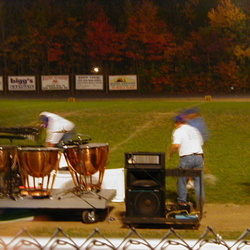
[[189, 173]]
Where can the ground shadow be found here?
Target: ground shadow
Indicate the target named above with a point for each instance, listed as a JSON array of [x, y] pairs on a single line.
[[50, 214]]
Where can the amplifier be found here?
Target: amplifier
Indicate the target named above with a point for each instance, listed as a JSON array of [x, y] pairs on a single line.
[[145, 185], [145, 160]]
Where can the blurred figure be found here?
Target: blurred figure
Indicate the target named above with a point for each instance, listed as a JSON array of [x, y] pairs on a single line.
[[188, 142], [193, 118], [58, 129]]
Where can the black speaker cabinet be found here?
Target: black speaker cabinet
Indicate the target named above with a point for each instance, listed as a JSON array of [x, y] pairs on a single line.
[[145, 184], [145, 203], [145, 160]]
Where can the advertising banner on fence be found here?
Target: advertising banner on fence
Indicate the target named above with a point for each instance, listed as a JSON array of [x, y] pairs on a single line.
[[21, 83], [89, 82], [1, 83], [123, 82], [60, 82]]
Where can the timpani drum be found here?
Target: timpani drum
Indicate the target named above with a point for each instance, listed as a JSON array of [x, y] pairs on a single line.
[[87, 164], [38, 168], [7, 162]]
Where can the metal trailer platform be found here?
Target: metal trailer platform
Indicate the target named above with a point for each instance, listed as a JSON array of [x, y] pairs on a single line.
[[89, 202], [183, 222]]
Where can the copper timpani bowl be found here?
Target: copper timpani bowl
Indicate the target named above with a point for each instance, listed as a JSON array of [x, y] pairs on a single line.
[[4, 159], [7, 162], [36, 167], [86, 160], [6, 154]]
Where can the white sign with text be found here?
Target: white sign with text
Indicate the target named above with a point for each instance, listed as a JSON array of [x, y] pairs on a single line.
[[123, 82], [21, 83], [89, 82], [1, 83], [56, 82]]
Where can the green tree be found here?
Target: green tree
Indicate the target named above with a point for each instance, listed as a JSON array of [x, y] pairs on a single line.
[[226, 15], [230, 21], [213, 47]]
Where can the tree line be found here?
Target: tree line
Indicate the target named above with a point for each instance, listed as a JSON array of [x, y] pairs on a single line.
[[173, 46]]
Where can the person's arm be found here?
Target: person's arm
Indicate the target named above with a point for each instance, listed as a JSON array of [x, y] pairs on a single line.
[[173, 149]]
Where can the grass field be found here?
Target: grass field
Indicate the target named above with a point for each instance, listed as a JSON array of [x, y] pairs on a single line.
[[146, 125]]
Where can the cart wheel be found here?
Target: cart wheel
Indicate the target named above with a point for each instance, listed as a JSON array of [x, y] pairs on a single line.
[[89, 216]]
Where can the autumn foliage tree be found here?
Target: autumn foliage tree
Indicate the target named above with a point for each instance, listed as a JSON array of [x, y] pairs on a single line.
[[212, 52], [149, 44], [230, 22], [103, 42], [191, 46], [226, 15]]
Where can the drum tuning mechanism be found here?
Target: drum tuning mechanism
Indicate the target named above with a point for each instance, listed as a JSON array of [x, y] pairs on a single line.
[[78, 141]]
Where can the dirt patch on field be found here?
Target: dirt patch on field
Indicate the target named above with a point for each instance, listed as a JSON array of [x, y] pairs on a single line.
[[226, 219]]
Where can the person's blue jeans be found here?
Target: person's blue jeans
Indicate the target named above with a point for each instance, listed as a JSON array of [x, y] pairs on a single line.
[[190, 162]]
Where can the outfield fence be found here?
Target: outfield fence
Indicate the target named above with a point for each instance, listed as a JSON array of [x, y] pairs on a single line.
[[133, 240]]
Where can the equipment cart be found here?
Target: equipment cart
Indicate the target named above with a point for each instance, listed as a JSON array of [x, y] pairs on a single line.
[[28, 174], [90, 204], [146, 197], [171, 215]]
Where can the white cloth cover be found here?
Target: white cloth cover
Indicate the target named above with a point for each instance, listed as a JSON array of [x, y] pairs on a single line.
[[113, 179]]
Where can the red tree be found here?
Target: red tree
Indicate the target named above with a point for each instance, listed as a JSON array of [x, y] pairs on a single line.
[[102, 41], [150, 44]]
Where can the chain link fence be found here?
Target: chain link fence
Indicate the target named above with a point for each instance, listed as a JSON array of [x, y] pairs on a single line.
[[133, 240]]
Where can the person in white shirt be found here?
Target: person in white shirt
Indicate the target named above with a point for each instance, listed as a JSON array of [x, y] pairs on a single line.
[[58, 129], [194, 118], [188, 142]]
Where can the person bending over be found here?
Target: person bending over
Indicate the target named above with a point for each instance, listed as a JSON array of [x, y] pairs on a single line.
[[58, 129]]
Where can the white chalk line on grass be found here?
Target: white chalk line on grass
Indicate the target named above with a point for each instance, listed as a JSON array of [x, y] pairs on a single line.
[[148, 125], [134, 134], [144, 126]]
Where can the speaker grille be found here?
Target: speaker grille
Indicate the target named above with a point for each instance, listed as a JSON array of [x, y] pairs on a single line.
[[147, 204], [146, 160], [142, 202]]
